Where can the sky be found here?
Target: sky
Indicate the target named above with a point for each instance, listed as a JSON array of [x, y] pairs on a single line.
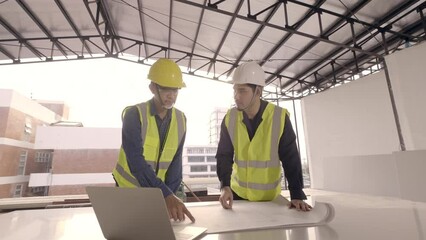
[[97, 90]]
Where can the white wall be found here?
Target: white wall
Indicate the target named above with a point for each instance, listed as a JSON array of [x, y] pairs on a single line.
[[13, 99], [368, 174], [351, 134], [48, 179], [411, 166], [77, 138], [353, 119], [407, 74]]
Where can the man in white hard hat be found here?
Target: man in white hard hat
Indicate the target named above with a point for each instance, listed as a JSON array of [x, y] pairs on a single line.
[[256, 139]]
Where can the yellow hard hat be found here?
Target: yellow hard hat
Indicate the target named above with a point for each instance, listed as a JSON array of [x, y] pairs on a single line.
[[166, 73]]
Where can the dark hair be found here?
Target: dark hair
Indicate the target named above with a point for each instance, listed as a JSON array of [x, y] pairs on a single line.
[[252, 86]]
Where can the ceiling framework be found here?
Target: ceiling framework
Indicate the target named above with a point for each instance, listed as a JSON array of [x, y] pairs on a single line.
[[305, 47]]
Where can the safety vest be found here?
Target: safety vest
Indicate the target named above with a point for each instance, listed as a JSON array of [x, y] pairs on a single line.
[[151, 146], [256, 172]]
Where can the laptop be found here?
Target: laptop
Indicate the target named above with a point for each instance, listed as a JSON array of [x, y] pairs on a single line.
[[137, 213]]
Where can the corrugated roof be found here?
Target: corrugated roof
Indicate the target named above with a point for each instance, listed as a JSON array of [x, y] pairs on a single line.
[[304, 46]]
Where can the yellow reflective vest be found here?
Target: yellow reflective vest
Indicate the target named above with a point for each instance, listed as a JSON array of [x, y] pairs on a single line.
[[256, 172], [151, 146]]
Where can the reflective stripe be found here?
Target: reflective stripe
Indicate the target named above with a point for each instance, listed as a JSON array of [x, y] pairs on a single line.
[[164, 165], [161, 165], [180, 124], [275, 138], [259, 186], [232, 123], [151, 163], [256, 163], [126, 176]]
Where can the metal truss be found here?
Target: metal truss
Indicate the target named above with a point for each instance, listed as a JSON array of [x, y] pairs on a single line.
[[331, 70]]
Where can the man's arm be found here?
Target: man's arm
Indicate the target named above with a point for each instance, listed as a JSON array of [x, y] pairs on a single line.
[[175, 206], [289, 156], [132, 146], [224, 161], [224, 157], [174, 172]]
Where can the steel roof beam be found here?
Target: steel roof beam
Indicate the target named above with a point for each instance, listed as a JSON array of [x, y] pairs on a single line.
[[197, 32], [380, 22], [288, 35], [170, 27], [259, 30], [411, 29], [345, 17], [313, 43], [43, 28], [225, 35], [102, 7], [287, 29], [72, 24], [107, 28], [142, 22], [20, 39], [7, 53]]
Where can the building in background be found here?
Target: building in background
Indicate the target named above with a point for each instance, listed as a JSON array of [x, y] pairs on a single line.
[[216, 118], [19, 118], [199, 167], [41, 153]]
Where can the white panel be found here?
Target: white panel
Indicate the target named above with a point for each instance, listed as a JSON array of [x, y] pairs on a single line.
[[83, 178], [14, 179], [406, 70], [77, 138], [373, 175], [411, 167], [40, 179], [16, 143], [13, 99], [5, 97], [350, 120], [47, 179]]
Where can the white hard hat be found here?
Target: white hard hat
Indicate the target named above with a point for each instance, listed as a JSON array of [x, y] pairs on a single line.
[[249, 73]]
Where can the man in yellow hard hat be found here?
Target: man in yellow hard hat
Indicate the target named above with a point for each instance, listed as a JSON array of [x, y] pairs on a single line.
[[153, 136], [256, 141]]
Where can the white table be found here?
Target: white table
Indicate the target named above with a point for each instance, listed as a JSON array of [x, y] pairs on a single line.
[[356, 217]]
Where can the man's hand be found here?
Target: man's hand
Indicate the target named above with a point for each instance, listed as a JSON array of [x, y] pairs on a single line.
[[226, 198], [177, 209], [300, 205]]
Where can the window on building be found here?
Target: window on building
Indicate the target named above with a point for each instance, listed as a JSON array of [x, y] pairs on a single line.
[[18, 190], [196, 159], [199, 168], [28, 126], [195, 150], [211, 159], [43, 157], [211, 150], [212, 168], [197, 176], [38, 189], [22, 162]]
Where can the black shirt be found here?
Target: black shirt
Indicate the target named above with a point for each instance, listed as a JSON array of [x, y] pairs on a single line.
[[287, 151]]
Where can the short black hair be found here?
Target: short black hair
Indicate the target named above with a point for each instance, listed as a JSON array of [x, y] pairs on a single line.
[[252, 86]]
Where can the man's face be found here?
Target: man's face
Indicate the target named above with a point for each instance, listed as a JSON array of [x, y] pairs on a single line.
[[243, 95], [166, 95]]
